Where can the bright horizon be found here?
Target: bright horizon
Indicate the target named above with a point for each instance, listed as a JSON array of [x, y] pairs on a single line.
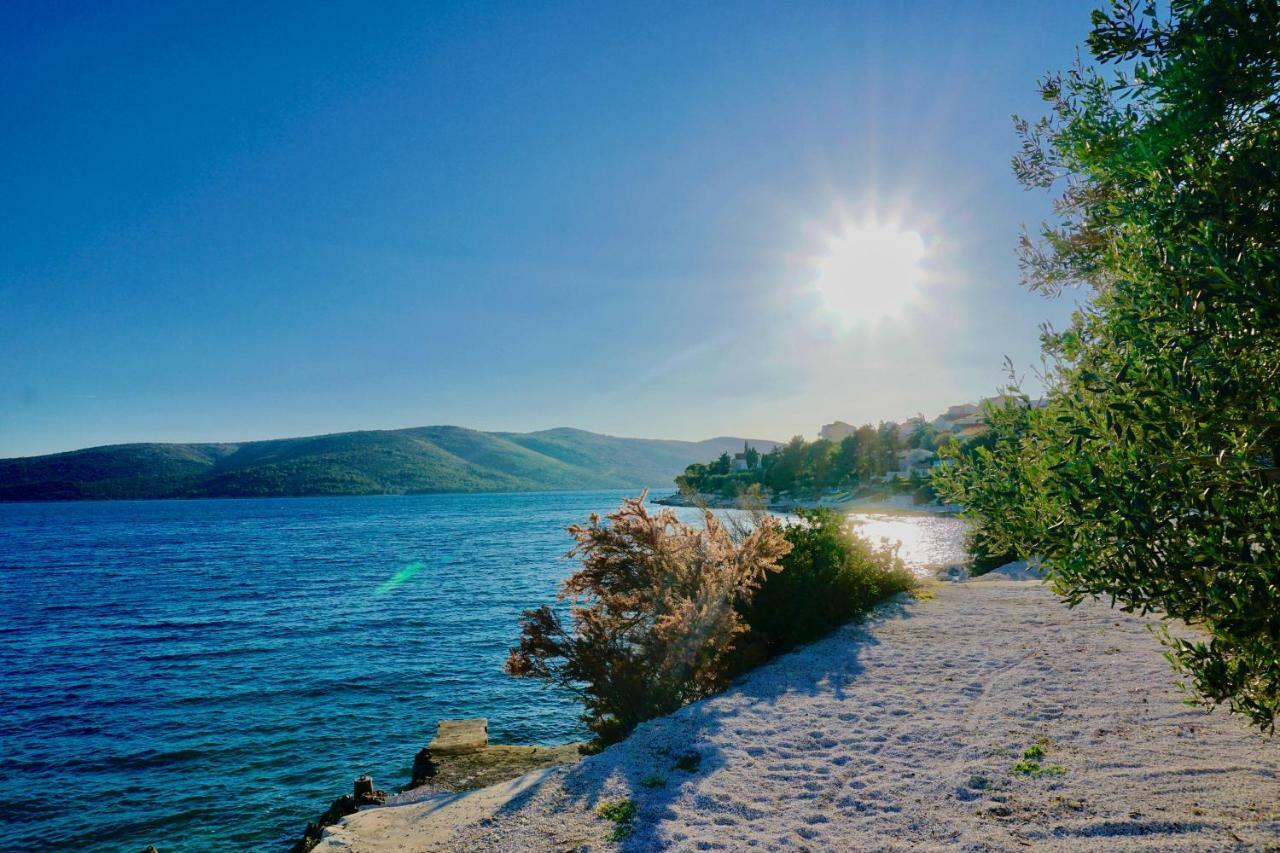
[[680, 225]]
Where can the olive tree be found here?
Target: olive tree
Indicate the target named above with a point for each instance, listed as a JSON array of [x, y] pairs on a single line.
[[1152, 476]]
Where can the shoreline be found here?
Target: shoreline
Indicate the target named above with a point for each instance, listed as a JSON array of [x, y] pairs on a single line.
[[450, 783], [445, 770], [900, 503], [905, 729]]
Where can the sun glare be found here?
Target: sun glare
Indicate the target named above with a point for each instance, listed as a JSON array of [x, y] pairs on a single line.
[[870, 272]]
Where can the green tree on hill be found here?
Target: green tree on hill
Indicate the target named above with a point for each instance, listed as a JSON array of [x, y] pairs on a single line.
[[803, 468], [923, 437]]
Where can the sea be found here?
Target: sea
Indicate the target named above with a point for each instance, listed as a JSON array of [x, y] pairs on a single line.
[[211, 674]]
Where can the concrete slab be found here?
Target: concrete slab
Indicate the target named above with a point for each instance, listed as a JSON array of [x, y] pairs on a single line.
[[455, 737]]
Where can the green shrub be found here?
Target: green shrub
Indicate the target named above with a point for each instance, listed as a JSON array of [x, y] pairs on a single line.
[[664, 613], [623, 814], [830, 576], [1028, 767], [992, 479]]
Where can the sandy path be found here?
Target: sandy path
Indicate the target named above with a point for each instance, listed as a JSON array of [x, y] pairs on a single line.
[[903, 733]]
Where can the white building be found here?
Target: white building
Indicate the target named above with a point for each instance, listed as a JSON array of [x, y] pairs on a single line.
[[837, 432], [916, 459], [908, 428]]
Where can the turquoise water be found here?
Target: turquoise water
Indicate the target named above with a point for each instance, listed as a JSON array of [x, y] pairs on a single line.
[[211, 674]]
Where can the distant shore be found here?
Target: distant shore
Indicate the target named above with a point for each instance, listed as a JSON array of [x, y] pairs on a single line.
[[840, 501], [418, 460], [989, 716]]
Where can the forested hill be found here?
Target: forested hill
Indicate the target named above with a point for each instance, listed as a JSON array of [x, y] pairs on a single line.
[[422, 459]]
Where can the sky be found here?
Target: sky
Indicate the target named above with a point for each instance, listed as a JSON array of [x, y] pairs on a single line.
[[225, 222]]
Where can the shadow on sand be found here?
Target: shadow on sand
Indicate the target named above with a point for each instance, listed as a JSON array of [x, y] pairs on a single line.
[[663, 759]]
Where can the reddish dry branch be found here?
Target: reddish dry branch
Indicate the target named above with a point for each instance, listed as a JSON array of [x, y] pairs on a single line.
[[651, 613]]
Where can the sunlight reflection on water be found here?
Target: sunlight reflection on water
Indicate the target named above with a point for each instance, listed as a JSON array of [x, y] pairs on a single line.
[[927, 541]]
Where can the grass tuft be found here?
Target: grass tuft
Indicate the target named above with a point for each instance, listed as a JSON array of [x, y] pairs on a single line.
[[622, 812]]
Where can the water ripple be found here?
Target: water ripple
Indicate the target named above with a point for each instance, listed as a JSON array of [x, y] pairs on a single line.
[[209, 674]]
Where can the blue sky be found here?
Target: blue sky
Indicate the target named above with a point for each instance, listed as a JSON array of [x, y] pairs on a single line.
[[226, 222]]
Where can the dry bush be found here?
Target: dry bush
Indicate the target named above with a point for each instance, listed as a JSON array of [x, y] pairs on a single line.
[[653, 613]]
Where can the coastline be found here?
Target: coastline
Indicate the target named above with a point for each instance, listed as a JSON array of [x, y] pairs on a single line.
[[839, 501], [446, 789], [445, 772], [904, 729]]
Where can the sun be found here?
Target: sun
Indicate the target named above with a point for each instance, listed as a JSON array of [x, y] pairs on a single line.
[[870, 272]]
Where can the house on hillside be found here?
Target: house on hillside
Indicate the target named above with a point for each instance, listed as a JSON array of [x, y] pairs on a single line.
[[966, 420], [908, 428], [956, 417], [837, 432], [916, 459], [910, 462], [1009, 400]]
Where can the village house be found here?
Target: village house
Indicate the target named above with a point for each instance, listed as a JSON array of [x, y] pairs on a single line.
[[908, 428], [916, 459], [957, 417], [837, 432], [910, 462]]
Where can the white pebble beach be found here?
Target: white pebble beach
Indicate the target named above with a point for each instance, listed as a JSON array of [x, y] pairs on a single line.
[[900, 732]]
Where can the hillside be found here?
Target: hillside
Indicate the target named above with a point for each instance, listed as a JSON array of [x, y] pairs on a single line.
[[421, 459]]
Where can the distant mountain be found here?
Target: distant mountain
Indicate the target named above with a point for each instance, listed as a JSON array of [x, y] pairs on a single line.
[[404, 461]]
